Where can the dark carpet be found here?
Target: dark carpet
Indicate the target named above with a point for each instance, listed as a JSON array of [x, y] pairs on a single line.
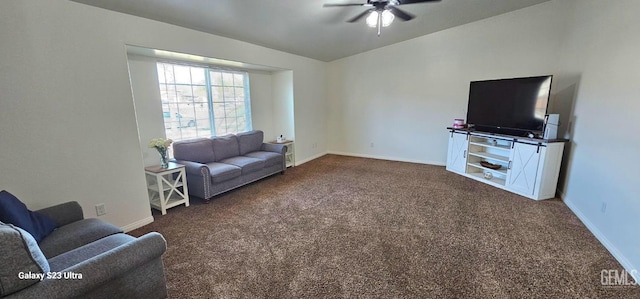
[[352, 227]]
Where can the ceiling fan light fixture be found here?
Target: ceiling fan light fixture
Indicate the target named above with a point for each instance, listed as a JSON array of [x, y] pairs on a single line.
[[387, 18], [372, 19]]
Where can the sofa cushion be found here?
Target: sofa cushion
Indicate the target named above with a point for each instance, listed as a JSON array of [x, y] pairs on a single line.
[[13, 211], [197, 150], [19, 254], [250, 141], [83, 253], [221, 172], [247, 164], [269, 158], [76, 234], [225, 147]]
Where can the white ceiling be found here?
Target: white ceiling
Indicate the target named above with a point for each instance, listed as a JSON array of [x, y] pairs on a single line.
[[304, 27]]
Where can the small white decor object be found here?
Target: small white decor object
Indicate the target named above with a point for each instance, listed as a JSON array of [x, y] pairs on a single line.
[[488, 175]]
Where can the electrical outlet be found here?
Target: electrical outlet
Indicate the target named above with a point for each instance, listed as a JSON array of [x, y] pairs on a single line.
[[100, 209], [604, 207]]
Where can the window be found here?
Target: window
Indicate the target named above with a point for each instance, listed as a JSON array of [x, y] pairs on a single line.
[[203, 102]]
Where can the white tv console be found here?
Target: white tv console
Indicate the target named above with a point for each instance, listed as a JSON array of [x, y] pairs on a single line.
[[529, 167]]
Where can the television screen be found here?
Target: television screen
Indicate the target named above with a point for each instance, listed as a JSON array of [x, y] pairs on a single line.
[[509, 106]]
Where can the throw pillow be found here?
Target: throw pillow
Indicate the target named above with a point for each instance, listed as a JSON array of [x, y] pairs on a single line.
[[22, 263], [13, 211]]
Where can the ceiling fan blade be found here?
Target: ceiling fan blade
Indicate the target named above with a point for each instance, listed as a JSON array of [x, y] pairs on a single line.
[[399, 13], [343, 5], [402, 2], [360, 16]]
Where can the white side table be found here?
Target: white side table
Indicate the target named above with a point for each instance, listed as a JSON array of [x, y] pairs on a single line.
[[290, 154], [164, 191]]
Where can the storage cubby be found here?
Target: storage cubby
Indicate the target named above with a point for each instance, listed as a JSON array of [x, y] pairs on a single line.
[[491, 150]]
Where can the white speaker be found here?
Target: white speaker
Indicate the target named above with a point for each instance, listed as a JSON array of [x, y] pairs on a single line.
[[551, 123]]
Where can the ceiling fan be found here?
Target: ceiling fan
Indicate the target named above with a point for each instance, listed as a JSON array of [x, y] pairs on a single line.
[[381, 12]]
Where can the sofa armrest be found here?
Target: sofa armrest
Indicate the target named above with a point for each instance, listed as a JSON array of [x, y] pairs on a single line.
[[278, 148], [198, 177], [100, 269], [193, 167], [64, 213]]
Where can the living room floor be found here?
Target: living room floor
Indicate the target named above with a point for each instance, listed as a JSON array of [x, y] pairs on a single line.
[[343, 226]]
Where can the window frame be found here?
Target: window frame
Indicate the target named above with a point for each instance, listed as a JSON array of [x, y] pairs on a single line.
[[166, 101]]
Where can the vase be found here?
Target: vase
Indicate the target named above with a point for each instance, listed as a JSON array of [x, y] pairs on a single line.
[[164, 160]]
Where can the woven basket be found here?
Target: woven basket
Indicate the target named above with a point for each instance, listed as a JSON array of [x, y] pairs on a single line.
[[490, 165]]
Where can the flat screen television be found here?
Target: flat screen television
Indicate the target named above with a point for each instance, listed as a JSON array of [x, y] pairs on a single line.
[[514, 106]]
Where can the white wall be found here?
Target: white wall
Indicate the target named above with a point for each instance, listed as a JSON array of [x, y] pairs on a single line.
[[146, 98], [283, 111], [600, 57], [67, 117], [262, 107], [401, 97], [310, 113], [67, 120]]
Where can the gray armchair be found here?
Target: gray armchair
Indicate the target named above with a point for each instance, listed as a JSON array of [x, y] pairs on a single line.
[[82, 258]]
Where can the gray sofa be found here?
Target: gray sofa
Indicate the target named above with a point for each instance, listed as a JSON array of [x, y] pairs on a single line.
[[219, 164], [85, 258]]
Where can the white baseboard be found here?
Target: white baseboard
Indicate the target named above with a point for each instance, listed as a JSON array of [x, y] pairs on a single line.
[[309, 159], [137, 224], [626, 264], [437, 163], [371, 157]]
